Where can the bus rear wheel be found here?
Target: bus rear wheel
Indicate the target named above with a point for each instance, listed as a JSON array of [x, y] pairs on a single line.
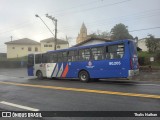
[[39, 75], [84, 76]]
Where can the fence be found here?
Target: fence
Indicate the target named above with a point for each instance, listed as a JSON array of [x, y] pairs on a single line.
[[13, 64]]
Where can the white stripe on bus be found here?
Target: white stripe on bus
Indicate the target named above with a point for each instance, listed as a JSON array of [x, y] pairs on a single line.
[[55, 71], [52, 69], [60, 71]]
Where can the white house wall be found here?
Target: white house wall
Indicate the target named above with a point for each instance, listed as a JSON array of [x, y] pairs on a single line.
[[16, 51], [93, 42], [142, 44]]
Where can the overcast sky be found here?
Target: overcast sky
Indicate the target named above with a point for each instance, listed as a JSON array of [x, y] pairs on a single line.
[[18, 17]]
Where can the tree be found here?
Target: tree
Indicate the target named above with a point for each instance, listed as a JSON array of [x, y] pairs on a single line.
[[152, 43], [120, 32], [100, 34]]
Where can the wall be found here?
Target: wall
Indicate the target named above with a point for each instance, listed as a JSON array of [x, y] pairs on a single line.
[[44, 49], [142, 44], [93, 42], [13, 64], [19, 52], [62, 46]]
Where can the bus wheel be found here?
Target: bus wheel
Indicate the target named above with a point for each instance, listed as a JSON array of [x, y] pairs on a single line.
[[84, 76], [39, 75]]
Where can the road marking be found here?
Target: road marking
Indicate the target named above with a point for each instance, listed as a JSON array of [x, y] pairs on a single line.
[[86, 90], [148, 85], [19, 106]]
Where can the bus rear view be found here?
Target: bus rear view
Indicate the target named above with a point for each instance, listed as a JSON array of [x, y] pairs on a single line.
[[134, 66]]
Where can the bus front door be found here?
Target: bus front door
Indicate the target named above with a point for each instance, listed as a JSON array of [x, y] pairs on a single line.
[[30, 65]]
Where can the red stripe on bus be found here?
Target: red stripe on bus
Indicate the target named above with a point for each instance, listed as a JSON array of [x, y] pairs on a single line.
[[65, 71]]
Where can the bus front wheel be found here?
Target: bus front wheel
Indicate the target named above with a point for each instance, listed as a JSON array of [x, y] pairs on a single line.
[[84, 76], [39, 75]]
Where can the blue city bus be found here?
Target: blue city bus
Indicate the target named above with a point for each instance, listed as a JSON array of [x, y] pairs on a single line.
[[116, 59]]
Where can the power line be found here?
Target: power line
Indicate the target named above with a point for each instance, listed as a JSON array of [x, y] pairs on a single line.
[[93, 8], [81, 5], [110, 4], [109, 21], [144, 29], [118, 18], [93, 24]]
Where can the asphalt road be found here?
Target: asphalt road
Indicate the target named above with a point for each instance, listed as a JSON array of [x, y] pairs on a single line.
[[72, 95]]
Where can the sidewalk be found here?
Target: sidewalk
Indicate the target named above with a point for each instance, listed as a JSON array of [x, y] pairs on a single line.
[[149, 76], [14, 72]]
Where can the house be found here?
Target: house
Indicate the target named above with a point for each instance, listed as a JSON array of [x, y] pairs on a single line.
[[142, 44], [92, 41], [49, 44], [22, 47]]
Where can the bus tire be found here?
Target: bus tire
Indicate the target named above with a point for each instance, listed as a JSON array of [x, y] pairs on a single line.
[[39, 75], [84, 76]]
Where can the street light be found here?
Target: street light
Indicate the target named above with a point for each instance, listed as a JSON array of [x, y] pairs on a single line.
[[54, 20], [45, 24]]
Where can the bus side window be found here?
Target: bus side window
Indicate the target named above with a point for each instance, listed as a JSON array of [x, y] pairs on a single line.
[[76, 55], [44, 58], [60, 57], [81, 55], [114, 51], [87, 54], [55, 58], [38, 58], [71, 56], [97, 53], [84, 55], [65, 54]]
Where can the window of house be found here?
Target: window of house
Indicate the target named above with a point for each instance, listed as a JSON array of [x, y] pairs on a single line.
[[45, 45], [13, 47], [58, 46], [97, 53], [115, 51], [22, 48], [29, 49], [50, 45], [36, 49]]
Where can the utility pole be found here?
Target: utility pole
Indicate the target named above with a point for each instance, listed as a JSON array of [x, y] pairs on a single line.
[[44, 23], [54, 20]]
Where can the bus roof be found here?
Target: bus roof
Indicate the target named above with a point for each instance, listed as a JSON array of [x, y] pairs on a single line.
[[88, 46]]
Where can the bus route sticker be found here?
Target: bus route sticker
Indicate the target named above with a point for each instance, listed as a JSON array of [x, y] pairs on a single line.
[[115, 63]]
